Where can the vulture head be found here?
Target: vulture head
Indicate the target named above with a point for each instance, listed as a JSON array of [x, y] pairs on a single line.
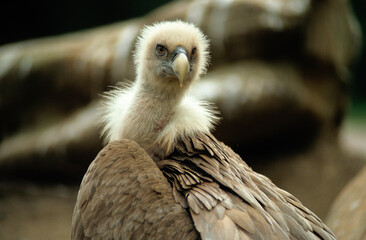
[[171, 55], [154, 110]]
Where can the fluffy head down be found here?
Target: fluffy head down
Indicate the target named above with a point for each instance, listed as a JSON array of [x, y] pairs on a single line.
[[171, 34], [155, 111]]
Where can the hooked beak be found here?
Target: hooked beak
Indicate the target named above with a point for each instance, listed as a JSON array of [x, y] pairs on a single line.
[[180, 64]]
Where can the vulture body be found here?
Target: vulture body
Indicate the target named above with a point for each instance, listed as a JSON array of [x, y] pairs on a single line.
[[163, 175]]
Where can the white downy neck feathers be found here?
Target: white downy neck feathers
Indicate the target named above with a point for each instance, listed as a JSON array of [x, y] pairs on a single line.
[[188, 117]]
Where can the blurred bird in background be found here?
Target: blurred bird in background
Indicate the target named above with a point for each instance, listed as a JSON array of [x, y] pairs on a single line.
[[279, 75]]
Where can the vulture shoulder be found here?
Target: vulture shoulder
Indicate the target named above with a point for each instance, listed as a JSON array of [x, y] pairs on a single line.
[[228, 200], [124, 195]]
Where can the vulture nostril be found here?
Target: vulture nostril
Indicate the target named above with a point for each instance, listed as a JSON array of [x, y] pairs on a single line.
[[178, 50]]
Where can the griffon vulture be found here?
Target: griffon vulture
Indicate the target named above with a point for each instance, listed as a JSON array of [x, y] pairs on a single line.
[[163, 175]]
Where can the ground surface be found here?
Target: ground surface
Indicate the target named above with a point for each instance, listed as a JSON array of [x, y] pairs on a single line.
[[30, 212]]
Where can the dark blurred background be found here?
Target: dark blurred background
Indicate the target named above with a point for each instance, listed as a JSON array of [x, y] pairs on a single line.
[[33, 19], [358, 85], [26, 20]]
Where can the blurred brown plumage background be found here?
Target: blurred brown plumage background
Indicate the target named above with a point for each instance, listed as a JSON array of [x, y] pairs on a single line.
[[287, 76]]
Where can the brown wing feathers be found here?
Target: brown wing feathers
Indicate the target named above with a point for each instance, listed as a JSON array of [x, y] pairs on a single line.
[[228, 200], [123, 191], [125, 196]]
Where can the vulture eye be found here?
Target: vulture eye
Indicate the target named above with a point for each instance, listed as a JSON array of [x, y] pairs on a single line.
[[194, 51], [160, 50]]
